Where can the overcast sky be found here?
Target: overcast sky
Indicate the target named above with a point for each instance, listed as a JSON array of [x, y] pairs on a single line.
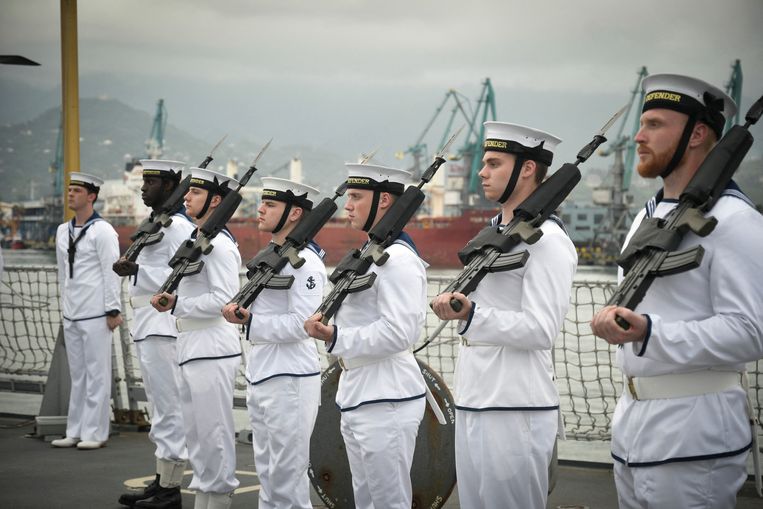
[[350, 75]]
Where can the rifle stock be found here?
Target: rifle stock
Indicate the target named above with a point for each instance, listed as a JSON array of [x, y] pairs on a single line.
[[651, 250]]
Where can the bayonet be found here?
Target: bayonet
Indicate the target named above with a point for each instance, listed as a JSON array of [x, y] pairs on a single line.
[[599, 137], [448, 143], [209, 157], [369, 156], [612, 120], [262, 151]]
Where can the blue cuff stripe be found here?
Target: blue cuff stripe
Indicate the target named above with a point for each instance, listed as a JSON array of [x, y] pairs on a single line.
[[646, 337], [469, 319], [333, 340]]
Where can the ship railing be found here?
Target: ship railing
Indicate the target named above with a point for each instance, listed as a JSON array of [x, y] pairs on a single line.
[[587, 378]]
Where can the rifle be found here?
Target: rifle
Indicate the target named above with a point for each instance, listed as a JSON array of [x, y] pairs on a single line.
[[148, 232], [186, 260], [651, 252], [350, 275], [263, 269], [490, 250]]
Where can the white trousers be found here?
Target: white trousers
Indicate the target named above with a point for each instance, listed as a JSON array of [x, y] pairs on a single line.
[[206, 393], [88, 350], [157, 356], [704, 484], [282, 412], [380, 439], [502, 458]]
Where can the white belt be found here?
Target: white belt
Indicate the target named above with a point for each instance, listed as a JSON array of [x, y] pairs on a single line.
[[682, 385], [696, 384], [356, 362], [468, 342], [191, 324], [260, 342], [140, 301]]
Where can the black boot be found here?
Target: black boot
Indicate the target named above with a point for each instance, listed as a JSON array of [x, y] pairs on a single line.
[[164, 498], [129, 499]]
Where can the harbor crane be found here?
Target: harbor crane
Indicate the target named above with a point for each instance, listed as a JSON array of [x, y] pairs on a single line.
[[610, 233], [470, 152]]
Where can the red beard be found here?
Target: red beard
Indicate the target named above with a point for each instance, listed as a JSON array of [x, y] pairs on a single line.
[[654, 165]]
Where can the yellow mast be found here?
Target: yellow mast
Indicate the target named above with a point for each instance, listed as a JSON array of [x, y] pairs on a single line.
[[70, 95]]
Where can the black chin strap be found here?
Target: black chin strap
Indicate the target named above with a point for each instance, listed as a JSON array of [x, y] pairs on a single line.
[[682, 144], [372, 212], [284, 216], [518, 162], [206, 205]]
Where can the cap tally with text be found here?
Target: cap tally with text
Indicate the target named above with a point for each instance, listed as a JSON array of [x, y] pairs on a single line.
[[162, 168], [521, 140], [90, 182], [288, 191], [212, 181], [377, 178], [690, 96]]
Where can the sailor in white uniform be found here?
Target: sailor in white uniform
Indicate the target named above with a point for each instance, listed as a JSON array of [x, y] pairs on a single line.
[[155, 338], [86, 247], [681, 430], [283, 369], [381, 391], [507, 405], [209, 351]]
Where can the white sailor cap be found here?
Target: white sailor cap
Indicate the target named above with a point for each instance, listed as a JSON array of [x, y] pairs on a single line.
[[274, 188], [212, 181], [690, 96], [162, 168], [521, 140], [90, 182], [378, 178]]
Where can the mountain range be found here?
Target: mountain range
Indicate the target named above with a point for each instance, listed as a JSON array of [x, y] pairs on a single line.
[[113, 133]]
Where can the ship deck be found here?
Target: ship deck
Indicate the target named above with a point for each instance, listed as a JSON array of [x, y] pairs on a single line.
[[35, 475]]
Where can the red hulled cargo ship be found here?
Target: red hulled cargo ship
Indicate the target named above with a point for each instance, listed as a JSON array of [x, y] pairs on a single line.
[[438, 239]]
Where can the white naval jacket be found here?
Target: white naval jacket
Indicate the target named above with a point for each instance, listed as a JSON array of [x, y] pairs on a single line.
[[202, 296], [516, 316], [710, 317], [153, 270], [280, 345], [380, 322], [95, 288]]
